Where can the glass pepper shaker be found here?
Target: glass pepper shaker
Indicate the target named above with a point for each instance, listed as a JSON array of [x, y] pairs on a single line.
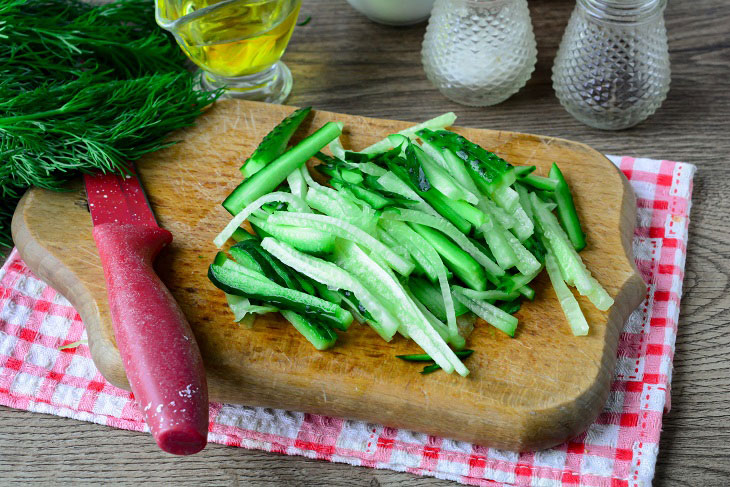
[[612, 68], [479, 52]]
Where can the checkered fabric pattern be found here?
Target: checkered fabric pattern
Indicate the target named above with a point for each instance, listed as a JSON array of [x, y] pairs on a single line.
[[618, 450]]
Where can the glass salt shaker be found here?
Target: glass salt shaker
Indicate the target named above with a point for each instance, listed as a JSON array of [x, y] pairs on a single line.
[[479, 52], [612, 68]]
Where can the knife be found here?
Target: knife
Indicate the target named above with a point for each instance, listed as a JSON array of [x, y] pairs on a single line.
[[159, 352]]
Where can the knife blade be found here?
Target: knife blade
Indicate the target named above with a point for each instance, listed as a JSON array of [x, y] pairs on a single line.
[[158, 349]]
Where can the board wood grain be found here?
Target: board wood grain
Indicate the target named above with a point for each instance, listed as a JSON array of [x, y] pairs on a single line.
[[531, 392]]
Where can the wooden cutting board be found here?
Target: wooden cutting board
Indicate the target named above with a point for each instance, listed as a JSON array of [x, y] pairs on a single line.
[[528, 392]]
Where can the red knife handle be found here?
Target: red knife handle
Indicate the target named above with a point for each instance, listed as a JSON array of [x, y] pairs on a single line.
[[158, 349]]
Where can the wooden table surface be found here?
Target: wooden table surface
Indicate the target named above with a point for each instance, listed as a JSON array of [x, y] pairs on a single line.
[[342, 62]]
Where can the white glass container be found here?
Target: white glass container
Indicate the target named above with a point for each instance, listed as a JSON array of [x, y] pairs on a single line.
[[394, 12], [612, 69], [479, 52]]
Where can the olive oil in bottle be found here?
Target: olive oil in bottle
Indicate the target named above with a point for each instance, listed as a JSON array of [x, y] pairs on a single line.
[[231, 38]]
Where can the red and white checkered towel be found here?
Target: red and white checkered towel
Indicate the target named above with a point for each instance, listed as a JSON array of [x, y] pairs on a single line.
[[618, 450]]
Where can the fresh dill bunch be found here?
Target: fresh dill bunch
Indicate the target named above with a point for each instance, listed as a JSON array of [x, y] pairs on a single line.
[[82, 127], [62, 38], [84, 88]]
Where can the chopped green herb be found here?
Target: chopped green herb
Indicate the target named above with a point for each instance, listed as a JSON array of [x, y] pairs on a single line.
[[430, 368], [424, 357]]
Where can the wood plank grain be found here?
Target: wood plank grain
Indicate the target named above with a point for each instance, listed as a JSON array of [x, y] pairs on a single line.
[[342, 62]]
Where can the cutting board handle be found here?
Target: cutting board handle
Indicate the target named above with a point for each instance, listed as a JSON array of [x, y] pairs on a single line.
[[159, 352]]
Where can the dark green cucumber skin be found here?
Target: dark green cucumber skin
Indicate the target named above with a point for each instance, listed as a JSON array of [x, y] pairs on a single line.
[[511, 307], [286, 273], [371, 182], [439, 202], [487, 169], [536, 247], [264, 230], [349, 296], [244, 257], [326, 293], [567, 214], [305, 284], [320, 335], [220, 258], [260, 232], [274, 173], [412, 168], [351, 156], [522, 171], [337, 168], [485, 250], [447, 207], [510, 284], [466, 210], [320, 309], [430, 368], [429, 295], [270, 267], [349, 176], [527, 292], [485, 183], [461, 264], [349, 179], [241, 234], [359, 157], [274, 143], [546, 196], [538, 182], [424, 357], [373, 199], [432, 199]]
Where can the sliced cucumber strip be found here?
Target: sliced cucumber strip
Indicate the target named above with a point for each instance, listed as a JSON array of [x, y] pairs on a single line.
[[437, 222], [297, 184], [491, 295], [568, 303], [431, 297], [464, 266], [417, 325], [439, 177], [242, 306], [297, 203], [438, 325], [235, 279], [488, 312], [274, 143], [334, 277], [440, 122], [566, 209], [318, 334], [301, 238], [418, 248], [271, 176], [345, 230]]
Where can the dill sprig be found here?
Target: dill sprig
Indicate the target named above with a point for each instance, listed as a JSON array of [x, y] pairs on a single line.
[[84, 88]]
